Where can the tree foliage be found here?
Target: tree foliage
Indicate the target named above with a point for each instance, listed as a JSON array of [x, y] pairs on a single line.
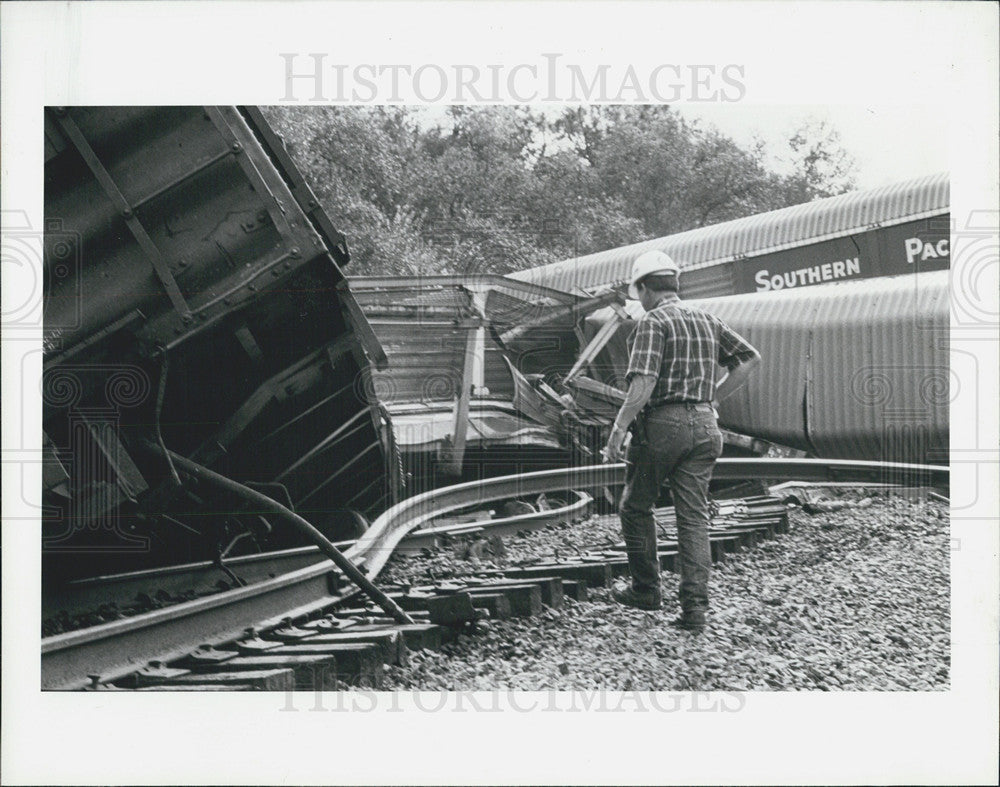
[[498, 189]]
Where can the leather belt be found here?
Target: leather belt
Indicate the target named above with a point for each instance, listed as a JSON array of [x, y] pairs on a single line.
[[703, 406]]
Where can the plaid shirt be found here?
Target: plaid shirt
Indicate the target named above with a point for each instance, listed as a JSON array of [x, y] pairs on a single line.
[[681, 345]]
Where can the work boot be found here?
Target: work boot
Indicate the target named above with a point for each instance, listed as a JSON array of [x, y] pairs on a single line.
[[626, 594], [690, 621]]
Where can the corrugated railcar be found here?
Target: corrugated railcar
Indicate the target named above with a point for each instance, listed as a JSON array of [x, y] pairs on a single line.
[[194, 300], [886, 231], [856, 370]]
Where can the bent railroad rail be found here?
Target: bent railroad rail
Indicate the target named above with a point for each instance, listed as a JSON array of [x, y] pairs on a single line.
[[115, 649]]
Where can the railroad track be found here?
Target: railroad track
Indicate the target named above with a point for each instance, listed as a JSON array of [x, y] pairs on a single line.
[[86, 602], [348, 645], [172, 638]]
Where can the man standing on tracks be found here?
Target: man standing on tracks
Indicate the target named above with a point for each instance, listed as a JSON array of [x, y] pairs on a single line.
[[673, 386]]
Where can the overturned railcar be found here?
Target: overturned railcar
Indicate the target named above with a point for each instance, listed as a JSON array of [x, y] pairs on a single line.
[[194, 301], [846, 298], [891, 230], [858, 370]]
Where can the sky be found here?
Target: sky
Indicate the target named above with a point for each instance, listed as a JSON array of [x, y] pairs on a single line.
[[888, 142]]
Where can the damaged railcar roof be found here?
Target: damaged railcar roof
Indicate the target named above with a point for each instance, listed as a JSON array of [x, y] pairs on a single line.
[[452, 344], [425, 426], [444, 333]]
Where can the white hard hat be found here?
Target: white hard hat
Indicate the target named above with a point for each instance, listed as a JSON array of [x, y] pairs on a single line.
[[648, 263]]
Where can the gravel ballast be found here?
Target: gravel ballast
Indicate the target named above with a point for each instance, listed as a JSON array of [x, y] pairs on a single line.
[[856, 599]]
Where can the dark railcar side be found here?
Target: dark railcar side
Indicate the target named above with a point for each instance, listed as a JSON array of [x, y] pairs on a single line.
[[194, 299]]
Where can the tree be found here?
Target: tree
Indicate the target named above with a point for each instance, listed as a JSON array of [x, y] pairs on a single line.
[[497, 189], [822, 167]]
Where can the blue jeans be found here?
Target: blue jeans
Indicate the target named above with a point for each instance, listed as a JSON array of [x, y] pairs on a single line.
[[678, 443]]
